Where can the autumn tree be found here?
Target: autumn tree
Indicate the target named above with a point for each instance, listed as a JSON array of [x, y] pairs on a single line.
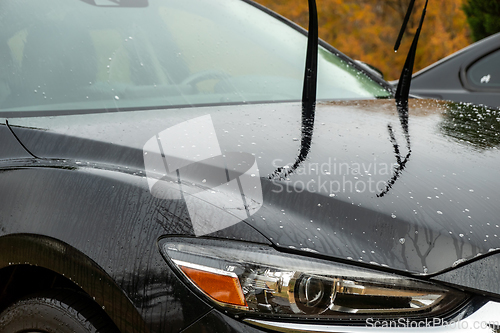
[[367, 29], [483, 17]]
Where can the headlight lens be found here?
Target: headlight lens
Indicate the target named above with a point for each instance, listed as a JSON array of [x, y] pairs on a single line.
[[257, 279]]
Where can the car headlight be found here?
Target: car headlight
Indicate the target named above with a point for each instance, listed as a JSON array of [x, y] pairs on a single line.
[[256, 279]]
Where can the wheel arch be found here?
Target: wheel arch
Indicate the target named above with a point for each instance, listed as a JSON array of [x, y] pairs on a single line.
[[30, 263]]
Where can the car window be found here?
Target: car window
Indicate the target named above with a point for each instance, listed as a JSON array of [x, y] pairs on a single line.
[[485, 73], [70, 54]]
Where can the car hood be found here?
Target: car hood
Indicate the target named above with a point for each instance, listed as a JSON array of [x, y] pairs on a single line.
[[415, 194]]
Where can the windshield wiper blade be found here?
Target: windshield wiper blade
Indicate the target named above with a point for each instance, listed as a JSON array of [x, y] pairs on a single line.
[[405, 23], [311, 70], [403, 89], [308, 95], [402, 96]]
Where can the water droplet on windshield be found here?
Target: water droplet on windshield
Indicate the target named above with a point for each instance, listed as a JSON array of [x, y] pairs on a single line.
[[402, 240], [117, 98]]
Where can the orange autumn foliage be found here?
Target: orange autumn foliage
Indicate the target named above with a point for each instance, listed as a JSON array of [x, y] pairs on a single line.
[[367, 29]]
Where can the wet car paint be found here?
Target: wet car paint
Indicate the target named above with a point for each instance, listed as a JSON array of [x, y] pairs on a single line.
[[82, 237], [86, 222], [436, 215], [10, 148], [477, 275]]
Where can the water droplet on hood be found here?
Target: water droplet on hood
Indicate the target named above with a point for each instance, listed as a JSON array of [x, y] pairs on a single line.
[[458, 262]]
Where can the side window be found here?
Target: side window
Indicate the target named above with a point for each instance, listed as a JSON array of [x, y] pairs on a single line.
[[485, 73]]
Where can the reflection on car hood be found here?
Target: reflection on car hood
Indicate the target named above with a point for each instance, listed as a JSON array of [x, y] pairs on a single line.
[[421, 203]]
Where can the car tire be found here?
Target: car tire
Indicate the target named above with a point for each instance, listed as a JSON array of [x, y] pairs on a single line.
[[55, 311]]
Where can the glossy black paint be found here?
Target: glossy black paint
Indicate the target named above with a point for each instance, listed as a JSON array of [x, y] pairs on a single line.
[[10, 146], [479, 275], [415, 227], [83, 233], [87, 196], [446, 79]]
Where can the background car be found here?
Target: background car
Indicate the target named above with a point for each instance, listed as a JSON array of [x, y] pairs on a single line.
[[471, 75], [159, 173]]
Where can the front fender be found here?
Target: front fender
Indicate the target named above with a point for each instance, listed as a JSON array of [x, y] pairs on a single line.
[[98, 227]]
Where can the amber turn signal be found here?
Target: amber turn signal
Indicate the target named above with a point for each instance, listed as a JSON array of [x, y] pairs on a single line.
[[220, 285]]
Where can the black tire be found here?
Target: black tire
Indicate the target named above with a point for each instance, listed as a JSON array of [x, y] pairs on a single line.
[[55, 311]]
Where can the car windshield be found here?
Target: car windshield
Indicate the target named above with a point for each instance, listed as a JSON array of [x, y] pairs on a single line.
[[84, 55]]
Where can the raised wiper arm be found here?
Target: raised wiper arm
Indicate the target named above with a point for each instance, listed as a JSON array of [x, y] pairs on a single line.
[[405, 23], [402, 96], [308, 94], [311, 70], [403, 89]]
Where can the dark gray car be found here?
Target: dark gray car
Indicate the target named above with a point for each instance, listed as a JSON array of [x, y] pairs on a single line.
[[471, 75]]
